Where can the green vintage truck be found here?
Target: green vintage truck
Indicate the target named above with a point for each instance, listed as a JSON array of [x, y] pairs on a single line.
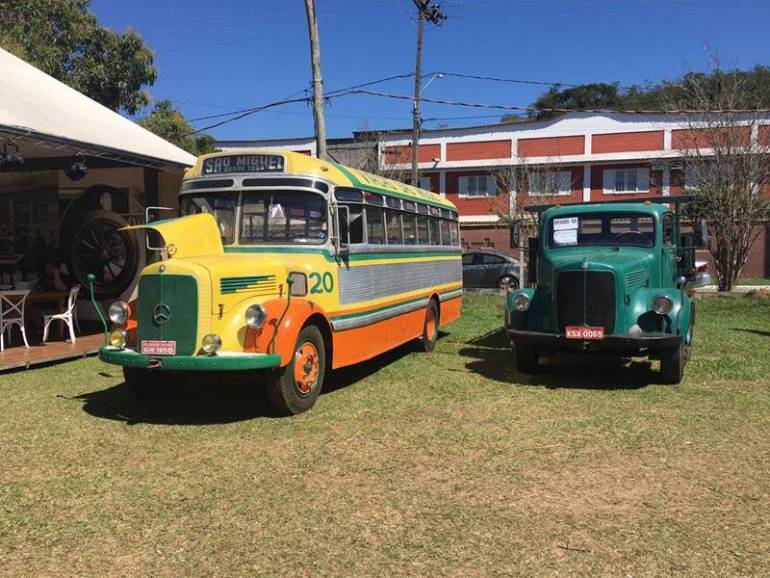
[[614, 277]]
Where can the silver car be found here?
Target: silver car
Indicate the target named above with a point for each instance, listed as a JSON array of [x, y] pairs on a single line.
[[490, 269]]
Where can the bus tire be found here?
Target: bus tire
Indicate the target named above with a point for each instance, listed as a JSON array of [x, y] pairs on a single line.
[[430, 327], [147, 384], [527, 358], [295, 388]]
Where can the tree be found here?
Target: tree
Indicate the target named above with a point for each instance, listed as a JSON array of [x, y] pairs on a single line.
[[727, 155], [168, 123], [64, 39], [318, 86], [593, 96]]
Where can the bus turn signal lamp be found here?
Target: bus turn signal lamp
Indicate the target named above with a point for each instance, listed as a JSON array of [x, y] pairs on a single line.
[[118, 312], [118, 338], [521, 303]]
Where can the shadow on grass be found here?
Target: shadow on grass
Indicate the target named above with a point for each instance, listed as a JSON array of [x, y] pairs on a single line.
[[752, 331], [492, 357], [213, 398]]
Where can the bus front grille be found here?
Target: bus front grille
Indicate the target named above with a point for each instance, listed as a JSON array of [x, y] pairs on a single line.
[[586, 298], [168, 311]]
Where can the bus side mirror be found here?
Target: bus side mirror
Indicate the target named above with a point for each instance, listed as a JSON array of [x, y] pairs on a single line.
[[534, 246], [515, 235], [341, 229], [700, 234]]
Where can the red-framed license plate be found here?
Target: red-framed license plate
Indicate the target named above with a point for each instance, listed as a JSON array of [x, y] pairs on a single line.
[[153, 347], [583, 333]]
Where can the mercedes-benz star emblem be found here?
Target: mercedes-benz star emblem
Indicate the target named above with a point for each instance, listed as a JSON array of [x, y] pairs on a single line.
[[161, 314]]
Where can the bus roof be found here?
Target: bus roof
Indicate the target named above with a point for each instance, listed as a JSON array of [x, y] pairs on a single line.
[[340, 175]]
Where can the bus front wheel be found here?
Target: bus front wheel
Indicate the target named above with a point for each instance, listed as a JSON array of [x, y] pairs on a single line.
[[295, 388]]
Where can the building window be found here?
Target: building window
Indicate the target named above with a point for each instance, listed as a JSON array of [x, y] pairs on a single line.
[[550, 183], [477, 186], [626, 181], [691, 180], [425, 183]]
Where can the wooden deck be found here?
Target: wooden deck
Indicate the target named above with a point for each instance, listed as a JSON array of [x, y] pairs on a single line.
[[19, 356]]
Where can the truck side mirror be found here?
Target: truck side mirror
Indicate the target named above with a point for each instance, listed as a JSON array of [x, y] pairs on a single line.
[[700, 233], [534, 246], [515, 235]]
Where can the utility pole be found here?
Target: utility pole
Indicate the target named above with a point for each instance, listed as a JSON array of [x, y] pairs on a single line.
[[430, 11], [318, 87]]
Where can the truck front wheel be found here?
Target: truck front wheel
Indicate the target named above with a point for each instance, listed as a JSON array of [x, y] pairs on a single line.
[[672, 364], [527, 358]]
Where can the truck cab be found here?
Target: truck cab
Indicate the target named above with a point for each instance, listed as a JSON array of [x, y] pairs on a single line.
[[613, 277]]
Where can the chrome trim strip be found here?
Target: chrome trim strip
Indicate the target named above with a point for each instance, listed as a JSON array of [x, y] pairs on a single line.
[[450, 295], [363, 320]]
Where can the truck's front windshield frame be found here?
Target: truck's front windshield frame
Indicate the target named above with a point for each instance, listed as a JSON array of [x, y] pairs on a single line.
[[613, 229], [275, 216]]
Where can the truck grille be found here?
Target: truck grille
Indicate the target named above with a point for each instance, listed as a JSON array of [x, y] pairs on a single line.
[[586, 298], [179, 293]]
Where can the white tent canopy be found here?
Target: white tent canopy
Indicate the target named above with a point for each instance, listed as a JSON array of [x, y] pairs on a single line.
[[35, 107]]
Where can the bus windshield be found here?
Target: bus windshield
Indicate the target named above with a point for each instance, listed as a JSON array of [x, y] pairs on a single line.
[[283, 217], [614, 229], [221, 205]]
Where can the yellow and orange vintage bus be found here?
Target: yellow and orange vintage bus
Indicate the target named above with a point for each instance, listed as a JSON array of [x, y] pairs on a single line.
[[292, 266]]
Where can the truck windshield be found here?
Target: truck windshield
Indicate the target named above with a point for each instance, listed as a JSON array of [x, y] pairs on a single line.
[[283, 217], [614, 229], [221, 205]]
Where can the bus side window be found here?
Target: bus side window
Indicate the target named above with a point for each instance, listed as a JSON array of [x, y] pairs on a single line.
[[356, 224], [435, 234], [454, 233], [422, 229], [410, 229], [375, 226], [445, 232], [393, 223]]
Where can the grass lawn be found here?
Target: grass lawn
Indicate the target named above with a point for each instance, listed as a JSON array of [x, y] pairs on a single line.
[[753, 281], [443, 464]]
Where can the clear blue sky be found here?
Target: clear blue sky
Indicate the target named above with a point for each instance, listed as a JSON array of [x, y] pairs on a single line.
[[213, 57]]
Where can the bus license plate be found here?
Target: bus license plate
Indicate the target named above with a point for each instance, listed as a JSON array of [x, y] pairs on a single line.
[[574, 332], [153, 347]]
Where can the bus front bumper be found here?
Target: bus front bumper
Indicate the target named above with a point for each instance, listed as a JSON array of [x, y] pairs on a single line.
[[623, 342], [220, 362]]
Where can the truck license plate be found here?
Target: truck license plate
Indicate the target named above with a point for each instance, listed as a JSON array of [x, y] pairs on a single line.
[[153, 347], [577, 332]]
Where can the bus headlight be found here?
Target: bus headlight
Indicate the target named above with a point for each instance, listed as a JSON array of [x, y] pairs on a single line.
[[118, 338], [255, 316], [211, 343], [662, 305], [521, 302], [118, 312]]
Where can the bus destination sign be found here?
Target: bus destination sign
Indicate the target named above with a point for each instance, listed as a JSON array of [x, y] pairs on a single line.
[[243, 164]]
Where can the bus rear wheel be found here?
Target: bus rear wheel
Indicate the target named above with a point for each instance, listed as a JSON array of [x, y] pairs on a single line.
[[295, 387], [430, 328]]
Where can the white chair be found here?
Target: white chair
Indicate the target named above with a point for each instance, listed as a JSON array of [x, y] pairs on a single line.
[[67, 317], [12, 313]]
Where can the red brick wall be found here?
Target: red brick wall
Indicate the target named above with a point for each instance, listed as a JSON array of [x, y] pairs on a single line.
[[701, 138], [466, 151], [764, 135], [434, 181], [493, 237], [476, 205], [627, 141], [597, 183], [551, 147], [403, 154]]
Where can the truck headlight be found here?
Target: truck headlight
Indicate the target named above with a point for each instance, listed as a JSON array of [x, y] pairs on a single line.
[[662, 305], [118, 338], [255, 316], [211, 343], [118, 312], [521, 303]]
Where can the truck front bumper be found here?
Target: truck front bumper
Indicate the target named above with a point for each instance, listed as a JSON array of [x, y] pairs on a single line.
[[622, 343], [220, 362]]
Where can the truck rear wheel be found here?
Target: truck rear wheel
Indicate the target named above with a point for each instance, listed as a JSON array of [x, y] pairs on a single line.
[[672, 364], [527, 358], [295, 387]]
